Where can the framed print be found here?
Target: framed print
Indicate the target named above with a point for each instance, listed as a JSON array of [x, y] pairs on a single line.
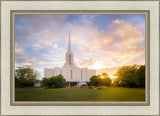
[[80, 58]]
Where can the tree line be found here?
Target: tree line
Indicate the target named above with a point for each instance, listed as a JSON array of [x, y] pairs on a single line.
[[127, 76], [130, 76]]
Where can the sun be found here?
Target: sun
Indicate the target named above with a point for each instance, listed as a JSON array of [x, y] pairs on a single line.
[[112, 77], [102, 76]]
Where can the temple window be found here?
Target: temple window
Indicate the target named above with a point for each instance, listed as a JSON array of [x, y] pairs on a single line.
[[69, 59], [71, 74]]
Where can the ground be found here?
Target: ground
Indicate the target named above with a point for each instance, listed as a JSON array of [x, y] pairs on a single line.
[[81, 94]]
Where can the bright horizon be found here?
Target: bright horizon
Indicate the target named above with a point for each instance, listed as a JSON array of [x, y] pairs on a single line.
[[97, 41]]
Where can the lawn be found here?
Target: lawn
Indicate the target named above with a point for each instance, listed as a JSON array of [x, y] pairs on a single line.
[[81, 94]]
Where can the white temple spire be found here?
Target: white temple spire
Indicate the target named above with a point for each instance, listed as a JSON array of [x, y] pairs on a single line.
[[69, 44]]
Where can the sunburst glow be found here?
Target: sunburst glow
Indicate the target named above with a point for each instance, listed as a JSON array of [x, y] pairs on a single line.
[[112, 77], [97, 65], [102, 77]]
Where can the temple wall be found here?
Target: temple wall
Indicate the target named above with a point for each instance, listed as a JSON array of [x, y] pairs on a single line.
[[78, 74], [71, 73], [56, 71], [85, 74], [48, 72]]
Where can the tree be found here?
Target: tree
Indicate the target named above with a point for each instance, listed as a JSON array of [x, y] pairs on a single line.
[[94, 81], [46, 82], [106, 81], [140, 78], [130, 76], [105, 75], [100, 80], [58, 81], [116, 82], [25, 76], [54, 82]]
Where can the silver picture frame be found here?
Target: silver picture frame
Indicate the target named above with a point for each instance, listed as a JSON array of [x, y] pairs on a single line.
[[90, 10]]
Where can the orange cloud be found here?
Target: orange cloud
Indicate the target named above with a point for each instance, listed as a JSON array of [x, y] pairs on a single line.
[[116, 21], [119, 45], [81, 48], [126, 32], [107, 39]]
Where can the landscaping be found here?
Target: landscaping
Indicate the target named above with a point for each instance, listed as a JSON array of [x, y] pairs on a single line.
[[90, 93]]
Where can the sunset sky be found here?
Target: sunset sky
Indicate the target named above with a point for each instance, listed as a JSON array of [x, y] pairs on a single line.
[[97, 41]]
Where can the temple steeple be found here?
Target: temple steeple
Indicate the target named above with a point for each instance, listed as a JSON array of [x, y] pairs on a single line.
[[69, 43], [69, 54]]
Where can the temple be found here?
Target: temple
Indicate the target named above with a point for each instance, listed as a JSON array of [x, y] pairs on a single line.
[[74, 75]]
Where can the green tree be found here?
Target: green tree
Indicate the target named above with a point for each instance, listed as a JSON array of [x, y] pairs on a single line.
[[94, 81], [100, 80], [54, 82], [140, 76], [105, 80], [130, 76], [25, 76], [105, 75], [46, 82], [116, 82]]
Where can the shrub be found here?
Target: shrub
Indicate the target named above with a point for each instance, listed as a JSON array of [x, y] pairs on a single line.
[[54, 82], [84, 86], [101, 87], [91, 87]]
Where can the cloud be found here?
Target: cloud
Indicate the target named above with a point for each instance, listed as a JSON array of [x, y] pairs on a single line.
[[116, 21], [18, 48], [87, 62], [42, 41], [41, 29], [122, 43], [55, 45]]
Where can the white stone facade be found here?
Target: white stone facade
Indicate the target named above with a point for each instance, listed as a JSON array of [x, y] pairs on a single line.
[[74, 75]]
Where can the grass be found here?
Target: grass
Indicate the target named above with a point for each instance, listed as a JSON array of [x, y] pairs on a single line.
[[81, 94]]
